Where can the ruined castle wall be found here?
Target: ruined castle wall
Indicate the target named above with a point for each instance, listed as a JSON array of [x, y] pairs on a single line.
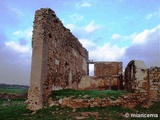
[[141, 80], [108, 75], [154, 83], [107, 68], [136, 77], [58, 58], [98, 83], [111, 73]]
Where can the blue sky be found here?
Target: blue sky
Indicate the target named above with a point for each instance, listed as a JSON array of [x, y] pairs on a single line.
[[111, 30]]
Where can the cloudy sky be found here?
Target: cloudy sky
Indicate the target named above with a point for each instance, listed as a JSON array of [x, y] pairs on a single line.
[[111, 30]]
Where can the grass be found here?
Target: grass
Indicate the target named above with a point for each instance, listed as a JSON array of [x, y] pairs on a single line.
[[19, 112], [92, 93], [58, 113], [12, 90]]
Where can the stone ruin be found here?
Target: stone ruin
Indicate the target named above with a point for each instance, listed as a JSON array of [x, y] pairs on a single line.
[[58, 58], [59, 61], [107, 75], [140, 79]]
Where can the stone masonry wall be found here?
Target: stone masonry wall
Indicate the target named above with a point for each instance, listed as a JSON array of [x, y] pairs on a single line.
[[107, 68], [111, 73], [141, 80], [154, 83], [98, 83], [136, 77], [108, 75], [58, 58]]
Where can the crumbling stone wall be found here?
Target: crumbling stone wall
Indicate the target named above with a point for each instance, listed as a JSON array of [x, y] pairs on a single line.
[[154, 83], [139, 79], [58, 58], [126, 101], [136, 76], [107, 75], [107, 68], [98, 83], [111, 73]]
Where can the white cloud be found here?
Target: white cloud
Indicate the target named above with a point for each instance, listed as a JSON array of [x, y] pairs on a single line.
[[70, 26], [18, 33], [15, 66], [130, 37], [21, 41], [76, 17], [103, 53], [26, 33], [88, 44], [107, 53], [84, 3], [146, 48], [116, 36], [15, 59], [17, 47], [123, 38], [142, 37], [92, 27], [17, 12]]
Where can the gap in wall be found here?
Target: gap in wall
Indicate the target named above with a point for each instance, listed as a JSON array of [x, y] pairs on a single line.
[[91, 69]]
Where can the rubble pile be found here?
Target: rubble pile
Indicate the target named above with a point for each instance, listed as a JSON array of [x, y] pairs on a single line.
[[127, 101]]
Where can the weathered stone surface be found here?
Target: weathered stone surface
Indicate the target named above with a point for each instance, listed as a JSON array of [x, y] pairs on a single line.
[[34, 101], [60, 61], [154, 83], [108, 75], [50, 102], [138, 78], [58, 58], [127, 101], [107, 69], [99, 83], [135, 75]]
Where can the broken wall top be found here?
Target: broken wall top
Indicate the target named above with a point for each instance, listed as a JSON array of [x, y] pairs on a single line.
[[58, 58], [44, 17], [138, 63]]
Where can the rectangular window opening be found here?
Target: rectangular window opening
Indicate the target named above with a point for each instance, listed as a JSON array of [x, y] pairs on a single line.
[[91, 69]]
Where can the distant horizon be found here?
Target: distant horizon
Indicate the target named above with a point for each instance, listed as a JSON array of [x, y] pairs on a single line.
[[14, 84]]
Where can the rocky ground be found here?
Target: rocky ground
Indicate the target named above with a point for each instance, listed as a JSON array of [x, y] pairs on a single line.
[[127, 101]]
